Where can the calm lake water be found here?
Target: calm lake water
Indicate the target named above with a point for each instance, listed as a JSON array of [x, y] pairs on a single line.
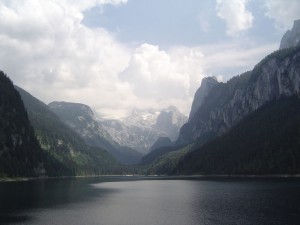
[[142, 201]]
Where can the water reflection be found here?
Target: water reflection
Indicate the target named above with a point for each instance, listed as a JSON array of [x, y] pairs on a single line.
[[10, 219], [16, 197], [135, 201]]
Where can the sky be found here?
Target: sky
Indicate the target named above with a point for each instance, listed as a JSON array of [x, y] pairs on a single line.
[[118, 55]]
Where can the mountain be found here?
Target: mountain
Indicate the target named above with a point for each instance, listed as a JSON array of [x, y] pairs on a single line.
[[249, 125], [20, 153], [292, 37], [169, 121], [66, 153], [84, 122], [161, 142], [135, 131], [166, 164], [207, 84], [276, 75], [266, 141], [141, 129], [156, 153], [126, 139]]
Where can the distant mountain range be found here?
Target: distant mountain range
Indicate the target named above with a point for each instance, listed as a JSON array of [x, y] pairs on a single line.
[[126, 139], [81, 119]]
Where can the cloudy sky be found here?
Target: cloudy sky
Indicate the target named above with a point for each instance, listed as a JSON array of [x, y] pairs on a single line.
[[116, 55]]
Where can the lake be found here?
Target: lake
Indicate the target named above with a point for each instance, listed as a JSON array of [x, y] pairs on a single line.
[[151, 201]]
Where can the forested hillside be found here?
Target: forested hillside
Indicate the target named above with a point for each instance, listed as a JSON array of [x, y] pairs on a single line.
[[20, 153], [265, 142]]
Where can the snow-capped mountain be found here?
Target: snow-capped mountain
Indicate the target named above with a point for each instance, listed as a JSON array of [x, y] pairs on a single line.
[[141, 129]]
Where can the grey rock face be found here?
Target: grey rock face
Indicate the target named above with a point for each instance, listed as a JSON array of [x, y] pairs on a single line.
[[207, 84], [277, 75], [292, 37]]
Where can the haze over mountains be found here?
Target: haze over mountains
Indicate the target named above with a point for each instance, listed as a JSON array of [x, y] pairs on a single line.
[[248, 125]]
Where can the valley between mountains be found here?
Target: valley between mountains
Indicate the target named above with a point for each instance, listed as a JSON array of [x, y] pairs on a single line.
[[249, 125]]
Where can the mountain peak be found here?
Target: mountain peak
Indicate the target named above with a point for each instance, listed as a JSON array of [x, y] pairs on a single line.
[[292, 37], [207, 84], [71, 107]]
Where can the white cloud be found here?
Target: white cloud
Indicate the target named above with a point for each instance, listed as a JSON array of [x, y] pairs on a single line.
[[157, 75], [283, 12], [46, 49], [236, 16], [204, 18], [50, 53], [239, 57], [204, 23]]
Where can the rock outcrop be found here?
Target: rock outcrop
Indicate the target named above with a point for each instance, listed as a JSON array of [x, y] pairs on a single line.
[[292, 37], [207, 84]]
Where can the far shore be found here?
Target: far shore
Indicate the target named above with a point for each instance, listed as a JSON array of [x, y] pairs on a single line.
[[212, 176]]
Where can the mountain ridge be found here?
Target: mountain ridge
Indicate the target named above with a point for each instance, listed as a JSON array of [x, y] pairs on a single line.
[[276, 75], [83, 121], [64, 149], [139, 131], [206, 85], [265, 142]]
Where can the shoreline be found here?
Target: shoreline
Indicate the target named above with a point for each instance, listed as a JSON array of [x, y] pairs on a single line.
[[212, 176]]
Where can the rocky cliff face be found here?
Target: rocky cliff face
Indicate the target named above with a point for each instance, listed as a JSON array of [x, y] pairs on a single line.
[[277, 75], [292, 37], [207, 84]]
